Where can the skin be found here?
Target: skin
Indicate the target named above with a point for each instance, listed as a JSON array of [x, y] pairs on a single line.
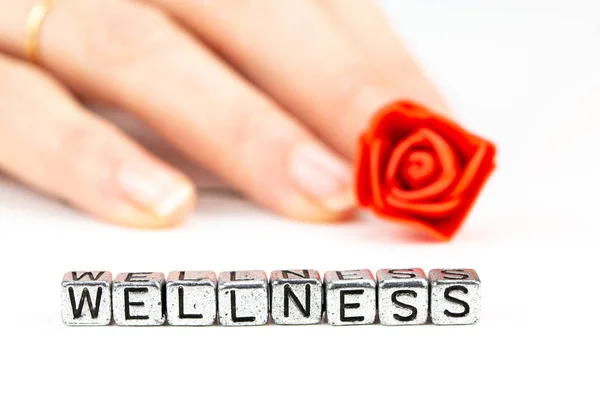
[[269, 95]]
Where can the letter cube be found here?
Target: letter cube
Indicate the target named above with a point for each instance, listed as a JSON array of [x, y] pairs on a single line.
[[243, 298], [86, 298], [455, 297], [350, 297], [296, 297], [191, 298], [403, 296], [138, 299]]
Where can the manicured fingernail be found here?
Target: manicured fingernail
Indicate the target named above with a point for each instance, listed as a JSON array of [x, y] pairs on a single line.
[[322, 176], [154, 189]]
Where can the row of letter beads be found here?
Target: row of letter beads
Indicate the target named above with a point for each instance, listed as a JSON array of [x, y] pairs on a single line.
[[292, 297]]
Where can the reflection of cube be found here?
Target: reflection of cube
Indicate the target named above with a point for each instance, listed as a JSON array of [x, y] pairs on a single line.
[[403, 296], [296, 297], [191, 298], [137, 298], [243, 298], [455, 297], [86, 298], [350, 297]]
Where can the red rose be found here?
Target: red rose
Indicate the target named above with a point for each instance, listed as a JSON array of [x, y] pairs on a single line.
[[418, 167]]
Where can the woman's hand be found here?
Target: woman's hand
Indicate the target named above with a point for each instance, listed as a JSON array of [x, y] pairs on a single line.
[[269, 95]]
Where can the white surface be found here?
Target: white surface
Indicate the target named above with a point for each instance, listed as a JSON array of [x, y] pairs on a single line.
[[526, 74]]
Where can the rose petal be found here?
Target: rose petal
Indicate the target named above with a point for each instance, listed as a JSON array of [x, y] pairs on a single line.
[[449, 226], [394, 162], [397, 121], [429, 210], [363, 177], [418, 169], [376, 155], [446, 158], [471, 170]]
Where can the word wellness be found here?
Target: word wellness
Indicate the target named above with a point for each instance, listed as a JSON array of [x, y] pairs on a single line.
[[291, 297]]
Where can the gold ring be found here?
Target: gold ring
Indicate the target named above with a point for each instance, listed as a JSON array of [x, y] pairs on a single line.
[[32, 30]]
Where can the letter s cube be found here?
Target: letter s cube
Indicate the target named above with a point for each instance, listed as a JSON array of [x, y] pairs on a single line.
[[403, 296], [455, 296]]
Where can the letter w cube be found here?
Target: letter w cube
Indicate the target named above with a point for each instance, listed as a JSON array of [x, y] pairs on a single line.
[[86, 298]]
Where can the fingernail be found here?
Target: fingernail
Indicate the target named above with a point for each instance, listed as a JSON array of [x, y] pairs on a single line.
[[154, 189], [322, 176]]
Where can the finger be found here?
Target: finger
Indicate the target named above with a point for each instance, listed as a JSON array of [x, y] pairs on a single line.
[[137, 58], [368, 29], [50, 142], [142, 134], [294, 52]]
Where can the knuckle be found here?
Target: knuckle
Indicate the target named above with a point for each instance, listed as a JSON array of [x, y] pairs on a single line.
[[5, 80], [77, 155], [249, 131], [353, 86], [255, 128], [78, 144], [264, 143], [73, 140], [126, 34], [12, 76], [16, 77]]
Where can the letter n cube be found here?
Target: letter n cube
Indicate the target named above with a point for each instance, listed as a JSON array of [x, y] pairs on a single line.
[[296, 297]]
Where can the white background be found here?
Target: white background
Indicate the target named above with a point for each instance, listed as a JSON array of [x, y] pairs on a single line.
[[523, 73]]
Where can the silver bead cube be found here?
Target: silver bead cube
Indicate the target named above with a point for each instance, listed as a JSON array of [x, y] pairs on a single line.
[[243, 298], [296, 297], [138, 299], [191, 298], [455, 296], [86, 298], [350, 297], [403, 296]]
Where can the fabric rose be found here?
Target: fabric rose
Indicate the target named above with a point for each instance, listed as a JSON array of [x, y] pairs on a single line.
[[417, 167]]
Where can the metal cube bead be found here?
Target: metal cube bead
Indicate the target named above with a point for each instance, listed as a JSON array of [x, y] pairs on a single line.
[[86, 298], [403, 296], [138, 299], [350, 297], [243, 298], [296, 297], [455, 297], [191, 298]]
